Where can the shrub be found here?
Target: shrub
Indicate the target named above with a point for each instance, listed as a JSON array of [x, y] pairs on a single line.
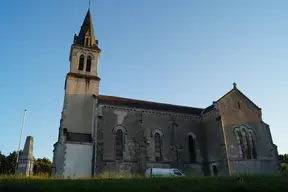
[[284, 167]]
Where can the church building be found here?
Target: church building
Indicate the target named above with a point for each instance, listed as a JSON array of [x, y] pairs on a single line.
[[100, 133]]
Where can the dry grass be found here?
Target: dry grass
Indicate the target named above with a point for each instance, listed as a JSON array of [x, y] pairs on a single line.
[[118, 175], [106, 175]]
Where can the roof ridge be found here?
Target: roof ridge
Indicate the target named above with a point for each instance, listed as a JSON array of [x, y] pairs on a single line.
[[151, 102]]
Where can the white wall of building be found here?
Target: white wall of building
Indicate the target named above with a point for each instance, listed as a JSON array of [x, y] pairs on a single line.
[[78, 160]]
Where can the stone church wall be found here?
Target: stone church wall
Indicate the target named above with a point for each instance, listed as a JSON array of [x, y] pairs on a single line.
[[238, 113], [214, 147], [82, 86], [263, 144], [240, 167], [153, 122], [58, 159], [266, 160], [78, 112]]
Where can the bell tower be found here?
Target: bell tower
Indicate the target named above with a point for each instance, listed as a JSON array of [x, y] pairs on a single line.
[[84, 56], [75, 137]]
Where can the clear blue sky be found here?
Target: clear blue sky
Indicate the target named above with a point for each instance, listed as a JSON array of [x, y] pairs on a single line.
[[184, 52]]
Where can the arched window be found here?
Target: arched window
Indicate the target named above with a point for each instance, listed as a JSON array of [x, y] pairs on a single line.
[[192, 148], [119, 144], [240, 144], [252, 144], [87, 42], [246, 144], [158, 146], [238, 104], [81, 63], [88, 65]]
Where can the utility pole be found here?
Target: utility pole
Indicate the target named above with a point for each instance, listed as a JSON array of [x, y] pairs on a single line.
[[20, 140]]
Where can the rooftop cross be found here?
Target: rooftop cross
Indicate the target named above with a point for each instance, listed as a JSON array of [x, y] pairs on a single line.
[[234, 85]]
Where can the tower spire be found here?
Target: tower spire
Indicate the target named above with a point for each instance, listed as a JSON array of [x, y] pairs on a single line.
[[89, 4], [86, 35]]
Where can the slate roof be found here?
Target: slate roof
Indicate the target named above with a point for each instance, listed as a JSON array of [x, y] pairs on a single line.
[[87, 27], [208, 109], [235, 89], [125, 102]]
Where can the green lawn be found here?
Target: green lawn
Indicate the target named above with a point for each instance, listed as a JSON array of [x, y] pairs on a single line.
[[259, 183]]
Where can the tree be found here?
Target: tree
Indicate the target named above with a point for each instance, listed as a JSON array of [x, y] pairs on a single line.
[[283, 158], [42, 166], [3, 163], [2, 158], [284, 163], [7, 164], [11, 158]]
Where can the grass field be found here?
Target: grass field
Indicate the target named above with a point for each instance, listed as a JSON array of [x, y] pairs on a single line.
[[246, 183]]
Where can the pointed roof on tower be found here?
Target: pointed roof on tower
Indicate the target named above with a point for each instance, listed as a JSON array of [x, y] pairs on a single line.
[[86, 31]]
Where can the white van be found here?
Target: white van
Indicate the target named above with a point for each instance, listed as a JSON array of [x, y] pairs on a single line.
[[163, 172]]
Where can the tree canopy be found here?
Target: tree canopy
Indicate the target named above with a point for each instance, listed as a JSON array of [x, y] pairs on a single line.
[[284, 163]]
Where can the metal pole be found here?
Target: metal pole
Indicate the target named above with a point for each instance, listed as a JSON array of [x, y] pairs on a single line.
[[20, 140]]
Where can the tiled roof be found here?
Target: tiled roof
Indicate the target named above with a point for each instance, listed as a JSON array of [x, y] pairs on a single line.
[[208, 109]]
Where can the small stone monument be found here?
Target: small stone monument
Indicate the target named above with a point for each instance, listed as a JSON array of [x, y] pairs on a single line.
[[26, 160]]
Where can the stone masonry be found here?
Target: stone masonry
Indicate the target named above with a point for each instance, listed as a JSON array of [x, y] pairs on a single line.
[[26, 159]]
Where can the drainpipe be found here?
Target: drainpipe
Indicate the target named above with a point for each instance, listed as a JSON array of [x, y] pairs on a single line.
[[94, 129]]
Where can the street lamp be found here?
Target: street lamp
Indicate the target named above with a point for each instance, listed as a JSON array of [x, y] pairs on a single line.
[[23, 122]]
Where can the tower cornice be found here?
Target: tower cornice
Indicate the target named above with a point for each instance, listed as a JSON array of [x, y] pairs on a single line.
[[81, 76], [97, 50]]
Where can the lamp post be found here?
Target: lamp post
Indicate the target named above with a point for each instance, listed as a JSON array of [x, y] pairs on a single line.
[[20, 140]]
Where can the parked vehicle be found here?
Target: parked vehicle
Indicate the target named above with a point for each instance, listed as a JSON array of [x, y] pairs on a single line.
[[163, 172]]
